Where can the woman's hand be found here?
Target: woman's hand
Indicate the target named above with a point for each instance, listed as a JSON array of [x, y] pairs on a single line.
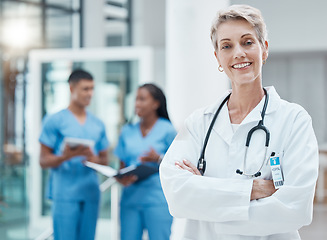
[[262, 188], [127, 180], [187, 165], [150, 156]]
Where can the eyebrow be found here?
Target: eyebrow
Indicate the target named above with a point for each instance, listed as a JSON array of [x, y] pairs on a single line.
[[228, 39]]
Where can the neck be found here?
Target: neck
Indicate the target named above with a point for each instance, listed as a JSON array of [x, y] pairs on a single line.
[[77, 109], [243, 100], [149, 120]]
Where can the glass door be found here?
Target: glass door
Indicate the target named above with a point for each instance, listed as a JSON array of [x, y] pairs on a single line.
[[13, 200], [116, 80], [115, 84]]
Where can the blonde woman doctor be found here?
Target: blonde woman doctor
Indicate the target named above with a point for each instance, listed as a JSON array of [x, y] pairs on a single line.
[[263, 191]]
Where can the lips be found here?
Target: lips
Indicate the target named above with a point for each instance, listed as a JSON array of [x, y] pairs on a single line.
[[241, 65]]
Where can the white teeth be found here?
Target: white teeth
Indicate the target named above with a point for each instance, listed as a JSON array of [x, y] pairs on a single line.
[[241, 65]]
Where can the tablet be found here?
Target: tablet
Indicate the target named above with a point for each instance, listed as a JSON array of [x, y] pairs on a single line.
[[75, 142]]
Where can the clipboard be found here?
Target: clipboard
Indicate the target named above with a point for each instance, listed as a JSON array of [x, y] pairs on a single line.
[[142, 171]]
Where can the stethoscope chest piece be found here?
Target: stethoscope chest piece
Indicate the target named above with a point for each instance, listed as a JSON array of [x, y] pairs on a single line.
[[202, 166]]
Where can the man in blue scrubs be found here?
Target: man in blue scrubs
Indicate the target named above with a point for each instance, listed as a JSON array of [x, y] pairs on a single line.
[[73, 187]]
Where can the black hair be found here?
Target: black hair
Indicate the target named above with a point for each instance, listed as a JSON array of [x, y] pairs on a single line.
[[158, 95], [79, 74]]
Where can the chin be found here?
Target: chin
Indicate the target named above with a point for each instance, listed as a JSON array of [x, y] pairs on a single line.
[[246, 81], [86, 104]]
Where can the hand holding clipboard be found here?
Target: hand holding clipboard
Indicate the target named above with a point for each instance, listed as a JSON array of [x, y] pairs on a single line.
[[141, 171]]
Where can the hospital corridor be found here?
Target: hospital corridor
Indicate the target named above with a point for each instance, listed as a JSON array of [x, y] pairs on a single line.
[[111, 110]]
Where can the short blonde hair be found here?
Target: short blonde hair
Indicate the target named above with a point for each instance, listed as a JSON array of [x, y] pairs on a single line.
[[240, 12]]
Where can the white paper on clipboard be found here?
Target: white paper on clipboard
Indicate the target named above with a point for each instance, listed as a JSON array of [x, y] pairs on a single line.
[[142, 171], [105, 170]]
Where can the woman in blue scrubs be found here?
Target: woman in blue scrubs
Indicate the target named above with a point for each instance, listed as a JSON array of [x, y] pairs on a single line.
[[143, 205]]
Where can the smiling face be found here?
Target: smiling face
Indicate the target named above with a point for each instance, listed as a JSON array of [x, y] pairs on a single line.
[[82, 92], [240, 52]]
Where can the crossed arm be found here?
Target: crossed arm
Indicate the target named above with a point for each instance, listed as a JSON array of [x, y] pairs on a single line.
[[260, 189]]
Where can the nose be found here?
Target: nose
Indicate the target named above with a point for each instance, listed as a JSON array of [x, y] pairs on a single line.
[[90, 92], [137, 103], [239, 51]]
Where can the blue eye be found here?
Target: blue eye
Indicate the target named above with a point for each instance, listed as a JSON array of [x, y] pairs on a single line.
[[248, 43], [225, 47]]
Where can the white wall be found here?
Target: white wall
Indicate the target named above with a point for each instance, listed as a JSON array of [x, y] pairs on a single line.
[[148, 28], [193, 80], [293, 25], [301, 78]]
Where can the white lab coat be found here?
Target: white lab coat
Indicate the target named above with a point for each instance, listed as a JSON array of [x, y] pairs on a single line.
[[217, 205]]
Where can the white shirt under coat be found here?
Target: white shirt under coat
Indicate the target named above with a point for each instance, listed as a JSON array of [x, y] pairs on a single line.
[[217, 205]]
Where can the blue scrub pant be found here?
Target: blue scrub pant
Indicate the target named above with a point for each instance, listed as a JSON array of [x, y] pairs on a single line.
[[74, 220], [156, 219]]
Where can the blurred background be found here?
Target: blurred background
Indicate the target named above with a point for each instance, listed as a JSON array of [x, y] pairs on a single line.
[[125, 43]]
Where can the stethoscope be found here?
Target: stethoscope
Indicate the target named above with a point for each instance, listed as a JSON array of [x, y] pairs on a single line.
[[202, 163]]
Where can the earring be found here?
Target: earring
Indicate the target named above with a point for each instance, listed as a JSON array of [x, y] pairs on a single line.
[[220, 68], [264, 61]]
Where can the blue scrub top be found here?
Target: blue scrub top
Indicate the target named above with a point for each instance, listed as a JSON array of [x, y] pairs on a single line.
[[131, 146], [72, 180]]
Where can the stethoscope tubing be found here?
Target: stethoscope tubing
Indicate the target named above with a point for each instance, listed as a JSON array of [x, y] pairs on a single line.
[[202, 163]]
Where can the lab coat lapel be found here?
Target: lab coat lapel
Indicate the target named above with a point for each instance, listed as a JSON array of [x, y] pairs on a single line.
[[223, 126], [255, 114], [273, 104]]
